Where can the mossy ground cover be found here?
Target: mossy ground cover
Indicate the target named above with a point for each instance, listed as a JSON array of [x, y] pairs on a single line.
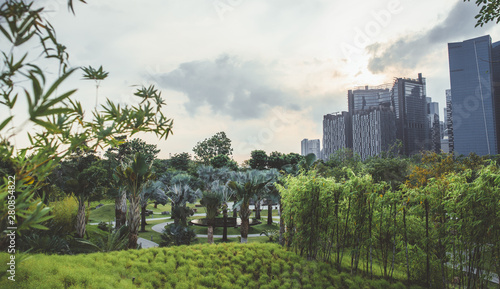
[[197, 266]]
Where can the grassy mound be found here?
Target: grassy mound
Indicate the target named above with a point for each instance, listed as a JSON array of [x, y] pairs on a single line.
[[198, 266]]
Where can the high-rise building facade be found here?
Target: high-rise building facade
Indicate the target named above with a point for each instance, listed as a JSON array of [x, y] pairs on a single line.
[[337, 133], [373, 131], [312, 146], [434, 125], [473, 70], [379, 116], [366, 97], [410, 105]]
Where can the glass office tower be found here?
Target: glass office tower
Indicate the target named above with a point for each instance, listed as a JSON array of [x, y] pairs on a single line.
[[472, 96]]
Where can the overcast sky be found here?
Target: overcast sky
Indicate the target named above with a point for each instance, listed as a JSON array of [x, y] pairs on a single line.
[[265, 72]]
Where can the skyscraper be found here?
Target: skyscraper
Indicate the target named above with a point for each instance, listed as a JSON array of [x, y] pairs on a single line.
[[308, 146], [434, 125], [337, 133], [373, 131], [472, 72], [366, 97], [410, 104]]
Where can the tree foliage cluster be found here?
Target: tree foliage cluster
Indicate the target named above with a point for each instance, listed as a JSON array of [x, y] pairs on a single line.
[[438, 220]]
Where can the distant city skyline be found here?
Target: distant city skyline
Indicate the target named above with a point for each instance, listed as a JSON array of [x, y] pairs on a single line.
[[265, 72]]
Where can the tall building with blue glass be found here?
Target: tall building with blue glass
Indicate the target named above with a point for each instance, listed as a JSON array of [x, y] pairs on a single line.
[[474, 68]]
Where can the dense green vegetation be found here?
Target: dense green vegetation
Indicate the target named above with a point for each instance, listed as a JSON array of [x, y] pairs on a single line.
[[431, 220], [199, 266]]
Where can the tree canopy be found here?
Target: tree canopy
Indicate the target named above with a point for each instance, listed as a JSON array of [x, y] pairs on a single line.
[[218, 144]]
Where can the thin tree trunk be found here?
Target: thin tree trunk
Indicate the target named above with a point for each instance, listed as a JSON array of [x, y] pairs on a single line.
[[143, 218], [345, 231], [257, 210], [224, 230], [133, 222], [210, 234], [80, 219], [270, 213], [406, 246], [121, 209], [282, 224], [428, 266], [394, 245]]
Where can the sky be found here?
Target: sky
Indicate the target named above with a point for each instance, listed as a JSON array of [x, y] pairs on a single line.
[[264, 72]]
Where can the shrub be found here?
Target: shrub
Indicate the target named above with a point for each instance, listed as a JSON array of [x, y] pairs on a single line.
[[103, 226], [175, 235], [64, 213]]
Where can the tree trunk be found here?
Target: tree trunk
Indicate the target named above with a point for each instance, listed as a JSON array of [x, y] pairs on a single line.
[[210, 234], [406, 246], [156, 205], [121, 209], [224, 230], [133, 222], [282, 224], [245, 224], [270, 213], [235, 213], [257, 210], [80, 219], [428, 267], [143, 218]]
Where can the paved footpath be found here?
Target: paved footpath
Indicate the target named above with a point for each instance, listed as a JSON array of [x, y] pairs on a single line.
[[145, 243]]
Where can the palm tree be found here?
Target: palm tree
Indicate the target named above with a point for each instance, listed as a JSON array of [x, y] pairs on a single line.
[[245, 186], [212, 199], [271, 193], [134, 175], [180, 193], [153, 190]]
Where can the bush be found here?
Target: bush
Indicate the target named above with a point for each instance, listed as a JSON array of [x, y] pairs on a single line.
[[64, 213], [103, 226], [176, 235]]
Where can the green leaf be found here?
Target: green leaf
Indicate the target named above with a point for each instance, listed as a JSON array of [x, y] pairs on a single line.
[[5, 122]]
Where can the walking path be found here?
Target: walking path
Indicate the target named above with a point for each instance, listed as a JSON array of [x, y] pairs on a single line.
[[145, 243]]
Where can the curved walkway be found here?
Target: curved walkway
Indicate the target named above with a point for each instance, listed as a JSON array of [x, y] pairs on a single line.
[[159, 228]]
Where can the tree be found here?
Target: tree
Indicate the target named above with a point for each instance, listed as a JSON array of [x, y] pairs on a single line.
[[180, 161], [59, 125], [134, 175], [221, 161], [80, 176], [276, 160], [490, 11], [245, 186], [180, 193], [212, 199], [272, 194], [115, 156], [258, 160], [153, 190], [218, 144]]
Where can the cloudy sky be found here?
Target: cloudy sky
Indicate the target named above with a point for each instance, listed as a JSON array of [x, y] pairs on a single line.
[[265, 72]]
